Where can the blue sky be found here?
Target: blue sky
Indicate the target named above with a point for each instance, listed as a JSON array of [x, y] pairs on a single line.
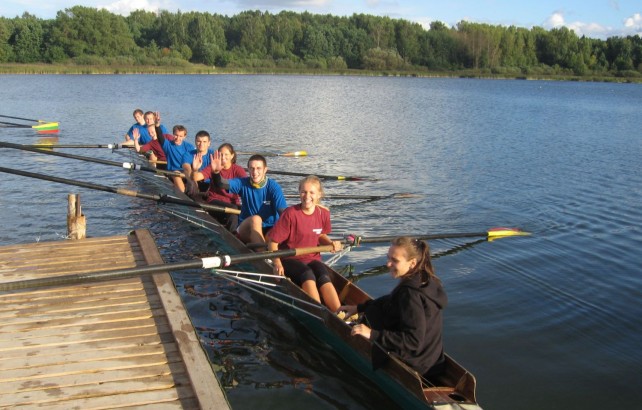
[[593, 18]]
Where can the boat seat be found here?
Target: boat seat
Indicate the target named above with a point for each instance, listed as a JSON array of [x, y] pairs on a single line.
[[442, 394]]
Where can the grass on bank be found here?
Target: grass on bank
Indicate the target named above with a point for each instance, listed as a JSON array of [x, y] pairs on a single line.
[[74, 69]]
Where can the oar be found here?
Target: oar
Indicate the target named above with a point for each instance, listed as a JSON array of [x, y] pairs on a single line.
[[362, 197], [158, 198], [335, 177], [20, 118], [211, 262], [490, 235], [52, 145], [126, 165], [355, 240], [272, 154], [14, 125], [48, 126]]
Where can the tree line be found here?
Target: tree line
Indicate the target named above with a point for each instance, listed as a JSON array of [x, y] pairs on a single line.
[[254, 39]]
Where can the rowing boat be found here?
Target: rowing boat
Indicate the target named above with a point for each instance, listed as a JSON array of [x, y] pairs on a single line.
[[454, 389]]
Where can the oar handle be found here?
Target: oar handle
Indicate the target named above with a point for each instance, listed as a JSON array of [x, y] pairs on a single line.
[[158, 198], [51, 146], [126, 165], [211, 262]]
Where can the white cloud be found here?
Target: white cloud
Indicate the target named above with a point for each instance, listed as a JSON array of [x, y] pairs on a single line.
[[593, 30], [259, 4], [125, 7], [634, 22], [554, 20]]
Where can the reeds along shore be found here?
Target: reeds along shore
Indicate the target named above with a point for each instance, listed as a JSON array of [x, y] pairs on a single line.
[[72, 69]]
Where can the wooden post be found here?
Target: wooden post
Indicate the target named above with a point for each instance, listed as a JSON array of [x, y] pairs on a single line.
[[76, 225]]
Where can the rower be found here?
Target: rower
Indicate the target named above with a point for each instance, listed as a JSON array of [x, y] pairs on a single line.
[[152, 150], [202, 141], [175, 148], [408, 321], [143, 121], [140, 122], [218, 196], [262, 199], [306, 225]]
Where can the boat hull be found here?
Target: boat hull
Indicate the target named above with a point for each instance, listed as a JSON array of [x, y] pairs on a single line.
[[455, 389]]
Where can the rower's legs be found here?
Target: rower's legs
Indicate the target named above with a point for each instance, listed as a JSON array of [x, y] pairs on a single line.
[[251, 230], [330, 297], [325, 286], [178, 181], [310, 287]]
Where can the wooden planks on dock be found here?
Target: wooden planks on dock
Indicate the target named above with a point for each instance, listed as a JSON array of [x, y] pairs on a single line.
[[114, 344]]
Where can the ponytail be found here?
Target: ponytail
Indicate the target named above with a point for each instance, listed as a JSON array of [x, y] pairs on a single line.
[[420, 251]]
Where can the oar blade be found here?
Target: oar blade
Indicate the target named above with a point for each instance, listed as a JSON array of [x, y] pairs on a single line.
[[48, 126], [294, 154], [502, 232]]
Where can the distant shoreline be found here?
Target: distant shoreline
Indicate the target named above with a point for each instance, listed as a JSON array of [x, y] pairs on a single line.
[[193, 69]]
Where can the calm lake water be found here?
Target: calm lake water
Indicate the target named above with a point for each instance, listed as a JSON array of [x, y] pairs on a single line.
[[552, 320]]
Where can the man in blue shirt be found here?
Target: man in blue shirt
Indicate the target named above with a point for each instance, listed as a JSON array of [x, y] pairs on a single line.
[[203, 142], [175, 148], [262, 199]]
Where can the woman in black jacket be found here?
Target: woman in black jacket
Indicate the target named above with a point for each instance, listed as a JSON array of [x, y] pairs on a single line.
[[408, 321]]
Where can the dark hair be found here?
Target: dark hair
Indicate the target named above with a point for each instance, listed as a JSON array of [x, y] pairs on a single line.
[[419, 250], [230, 148], [179, 128], [203, 133], [257, 157], [138, 111]]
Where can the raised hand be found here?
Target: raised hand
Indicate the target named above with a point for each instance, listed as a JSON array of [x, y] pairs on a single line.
[[136, 134], [215, 162], [197, 162]]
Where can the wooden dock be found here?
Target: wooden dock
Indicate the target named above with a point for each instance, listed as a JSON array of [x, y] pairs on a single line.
[[114, 344]]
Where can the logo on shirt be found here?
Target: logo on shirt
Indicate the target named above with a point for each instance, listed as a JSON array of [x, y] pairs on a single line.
[[268, 203], [317, 230]]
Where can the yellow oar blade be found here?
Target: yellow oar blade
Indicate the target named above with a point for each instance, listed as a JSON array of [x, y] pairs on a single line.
[[294, 154], [48, 126], [498, 233]]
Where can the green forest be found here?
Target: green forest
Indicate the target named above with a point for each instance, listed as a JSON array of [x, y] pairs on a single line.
[[257, 41]]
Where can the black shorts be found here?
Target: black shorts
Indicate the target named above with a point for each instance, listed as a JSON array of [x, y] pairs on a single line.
[[299, 272]]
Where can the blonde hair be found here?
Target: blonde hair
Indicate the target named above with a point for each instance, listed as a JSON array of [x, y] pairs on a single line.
[[314, 180]]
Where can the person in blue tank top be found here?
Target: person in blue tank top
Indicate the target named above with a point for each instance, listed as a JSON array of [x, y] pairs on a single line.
[[143, 121], [140, 123], [203, 142], [175, 148], [262, 199], [151, 119]]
